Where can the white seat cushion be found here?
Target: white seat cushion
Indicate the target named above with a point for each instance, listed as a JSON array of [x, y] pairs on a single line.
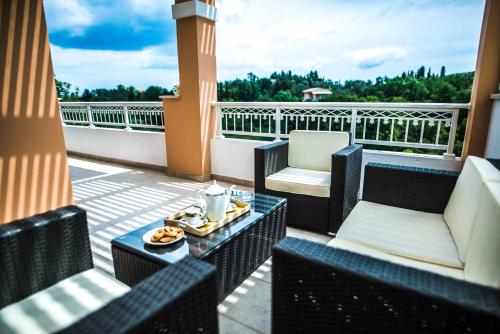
[[62, 304], [464, 200], [300, 181], [413, 234], [404, 261], [483, 253], [314, 149]]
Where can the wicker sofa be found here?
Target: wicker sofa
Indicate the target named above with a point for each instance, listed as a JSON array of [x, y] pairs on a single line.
[[420, 253], [318, 172], [48, 284]]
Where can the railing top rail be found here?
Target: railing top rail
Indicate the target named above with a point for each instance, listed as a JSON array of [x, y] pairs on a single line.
[[350, 105], [111, 103]]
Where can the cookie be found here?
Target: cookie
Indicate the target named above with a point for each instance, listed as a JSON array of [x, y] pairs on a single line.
[[160, 233], [167, 239]]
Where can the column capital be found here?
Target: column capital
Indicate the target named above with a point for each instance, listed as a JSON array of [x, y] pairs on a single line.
[[194, 8]]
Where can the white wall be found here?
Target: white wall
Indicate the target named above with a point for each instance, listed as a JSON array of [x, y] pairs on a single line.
[[235, 158], [493, 142], [134, 146]]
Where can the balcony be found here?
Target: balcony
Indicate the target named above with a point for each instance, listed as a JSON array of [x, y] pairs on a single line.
[[126, 127], [394, 228]]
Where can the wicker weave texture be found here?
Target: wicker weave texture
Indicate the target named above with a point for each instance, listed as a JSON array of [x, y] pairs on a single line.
[[318, 289], [238, 258], [39, 251], [178, 299], [413, 188], [345, 182], [309, 212], [269, 159]]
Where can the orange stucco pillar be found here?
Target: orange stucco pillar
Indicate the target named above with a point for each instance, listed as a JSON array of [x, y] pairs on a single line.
[[486, 81], [189, 120], [34, 174]]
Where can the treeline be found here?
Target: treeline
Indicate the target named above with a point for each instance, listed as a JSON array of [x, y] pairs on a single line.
[[120, 93], [411, 86], [422, 85]]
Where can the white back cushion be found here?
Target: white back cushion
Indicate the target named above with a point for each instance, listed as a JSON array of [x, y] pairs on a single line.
[[464, 200], [482, 263], [314, 149]]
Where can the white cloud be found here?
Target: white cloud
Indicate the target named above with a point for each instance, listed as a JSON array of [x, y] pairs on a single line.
[[373, 57], [98, 68], [68, 15], [151, 9]]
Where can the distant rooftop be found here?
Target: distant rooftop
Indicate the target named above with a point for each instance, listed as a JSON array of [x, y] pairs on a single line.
[[317, 91]]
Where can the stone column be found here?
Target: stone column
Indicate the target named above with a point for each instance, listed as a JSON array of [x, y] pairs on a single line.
[[189, 120], [486, 81]]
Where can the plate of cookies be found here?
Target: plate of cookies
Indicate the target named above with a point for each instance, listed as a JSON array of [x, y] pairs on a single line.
[[163, 235]]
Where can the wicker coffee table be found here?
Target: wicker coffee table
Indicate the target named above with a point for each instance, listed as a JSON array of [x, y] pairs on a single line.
[[237, 249]]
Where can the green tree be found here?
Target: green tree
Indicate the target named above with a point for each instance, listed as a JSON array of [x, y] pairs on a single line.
[[443, 71]]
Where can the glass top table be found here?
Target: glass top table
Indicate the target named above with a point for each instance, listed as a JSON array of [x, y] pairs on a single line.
[[245, 242]]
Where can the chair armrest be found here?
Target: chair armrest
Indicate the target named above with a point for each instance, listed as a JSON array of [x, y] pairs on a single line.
[[39, 251], [180, 298], [406, 187], [323, 289], [269, 159], [345, 182]]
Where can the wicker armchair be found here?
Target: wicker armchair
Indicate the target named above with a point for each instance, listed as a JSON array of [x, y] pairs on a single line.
[[321, 289], [324, 214], [41, 251]]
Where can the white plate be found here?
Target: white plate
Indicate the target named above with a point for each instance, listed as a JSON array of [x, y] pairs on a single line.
[[195, 222], [147, 238], [231, 207]]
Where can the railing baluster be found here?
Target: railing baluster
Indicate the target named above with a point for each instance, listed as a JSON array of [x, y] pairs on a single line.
[[364, 128], [438, 131], [89, 115], [277, 126], [392, 130], [378, 129], [125, 118], [422, 132], [354, 117], [407, 129]]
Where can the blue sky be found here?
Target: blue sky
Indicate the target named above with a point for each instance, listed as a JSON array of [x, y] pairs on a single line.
[[102, 43]]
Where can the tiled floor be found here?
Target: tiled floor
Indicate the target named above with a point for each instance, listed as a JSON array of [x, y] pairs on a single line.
[[119, 199]]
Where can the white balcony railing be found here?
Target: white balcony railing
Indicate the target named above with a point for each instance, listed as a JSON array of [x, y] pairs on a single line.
[[408, 125], [127, 115], [411, 125]]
